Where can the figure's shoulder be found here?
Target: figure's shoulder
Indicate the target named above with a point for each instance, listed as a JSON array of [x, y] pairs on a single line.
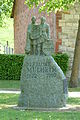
[[29, 25], [47, 25]]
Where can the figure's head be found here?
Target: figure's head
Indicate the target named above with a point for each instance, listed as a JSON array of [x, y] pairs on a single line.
[[33, 19], [43, 19]]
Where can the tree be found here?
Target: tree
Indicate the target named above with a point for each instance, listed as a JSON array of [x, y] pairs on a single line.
[[55, 5], [76, 62], [5, 9], [50, 5]]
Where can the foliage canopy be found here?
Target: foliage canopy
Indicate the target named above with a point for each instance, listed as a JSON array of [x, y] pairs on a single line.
[[43, 5], [50, 5], [5, 9]]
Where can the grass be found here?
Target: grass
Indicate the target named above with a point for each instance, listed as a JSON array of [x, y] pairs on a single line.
[[74, 89], [15, 84], [7, 113], [11, 99], [9, 84], [7, 34], [74, 101]]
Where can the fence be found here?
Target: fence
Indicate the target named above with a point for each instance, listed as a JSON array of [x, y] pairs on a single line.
[[5, 49]]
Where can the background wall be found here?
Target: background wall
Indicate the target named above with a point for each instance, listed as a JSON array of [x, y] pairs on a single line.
[[69, 24]]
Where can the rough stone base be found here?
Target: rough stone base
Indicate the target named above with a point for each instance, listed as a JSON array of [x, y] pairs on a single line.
[[43, 84], [63, 109]]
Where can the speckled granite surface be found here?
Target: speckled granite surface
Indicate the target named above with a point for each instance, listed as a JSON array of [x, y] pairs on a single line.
[[43, 84]]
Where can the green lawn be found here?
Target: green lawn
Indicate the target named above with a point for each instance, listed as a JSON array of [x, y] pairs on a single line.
[[74, 101], [11, 99], [74, 89], [15, 84], [9, 84], [7, 113]]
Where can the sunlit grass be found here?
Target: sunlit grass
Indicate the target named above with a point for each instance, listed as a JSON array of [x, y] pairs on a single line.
[[9, 99], [8, 113], [74, 101]]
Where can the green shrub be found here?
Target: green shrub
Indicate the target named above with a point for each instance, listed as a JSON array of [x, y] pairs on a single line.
[[62, 60], [10, 65]]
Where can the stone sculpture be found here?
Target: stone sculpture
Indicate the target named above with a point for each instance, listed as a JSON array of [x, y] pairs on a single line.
[[43, 84], [44, 33], [38, 38], [29, 30]]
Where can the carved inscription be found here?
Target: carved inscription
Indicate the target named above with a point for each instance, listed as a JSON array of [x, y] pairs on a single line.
[[36, 69]]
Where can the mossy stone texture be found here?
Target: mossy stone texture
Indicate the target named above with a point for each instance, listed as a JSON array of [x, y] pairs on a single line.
[[43, 84]]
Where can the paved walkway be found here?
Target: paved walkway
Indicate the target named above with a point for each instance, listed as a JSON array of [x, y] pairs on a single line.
[[70, 94], [74, 94], [10, 91]]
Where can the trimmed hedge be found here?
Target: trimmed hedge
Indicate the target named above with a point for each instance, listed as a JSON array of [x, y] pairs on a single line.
[[10, 65], [62, 60]]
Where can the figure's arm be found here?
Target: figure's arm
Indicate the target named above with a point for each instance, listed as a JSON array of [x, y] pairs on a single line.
[[48, 31], [27, 47]]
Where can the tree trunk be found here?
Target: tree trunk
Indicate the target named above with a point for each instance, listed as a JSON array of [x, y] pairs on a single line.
[[76, 61]]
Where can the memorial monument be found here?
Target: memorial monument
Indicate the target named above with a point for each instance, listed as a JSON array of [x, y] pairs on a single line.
[[43, 84]]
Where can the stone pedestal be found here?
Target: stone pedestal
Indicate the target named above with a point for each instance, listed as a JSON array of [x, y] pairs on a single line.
[[43, 84]]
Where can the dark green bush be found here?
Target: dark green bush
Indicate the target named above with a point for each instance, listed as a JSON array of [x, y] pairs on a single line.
[[10, 65], [62, 60]]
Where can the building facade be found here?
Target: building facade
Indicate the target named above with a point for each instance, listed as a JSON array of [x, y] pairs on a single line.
[[69, 25]]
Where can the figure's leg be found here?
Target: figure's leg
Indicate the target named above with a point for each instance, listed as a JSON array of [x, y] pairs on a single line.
[[32, 49], [41, 48], [36, 49]]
